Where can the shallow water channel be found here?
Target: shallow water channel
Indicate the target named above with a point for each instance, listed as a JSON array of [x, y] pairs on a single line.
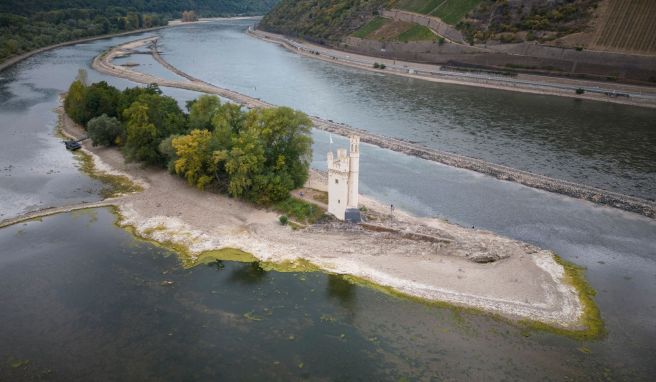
[[81, 299]]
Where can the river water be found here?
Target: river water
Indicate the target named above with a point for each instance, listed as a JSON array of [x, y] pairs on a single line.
[[81, 299]]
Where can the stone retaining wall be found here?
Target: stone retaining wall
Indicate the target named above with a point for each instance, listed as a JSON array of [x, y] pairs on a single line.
[[433, 23]]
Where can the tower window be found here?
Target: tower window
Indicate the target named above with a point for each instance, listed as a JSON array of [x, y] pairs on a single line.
[[336, 181], [337, 201]]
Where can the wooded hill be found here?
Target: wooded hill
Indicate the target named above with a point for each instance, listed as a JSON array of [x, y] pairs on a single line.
[[26, 25], [615, 25]]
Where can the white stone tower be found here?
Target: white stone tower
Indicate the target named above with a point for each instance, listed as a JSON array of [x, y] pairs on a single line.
[[343, 173]]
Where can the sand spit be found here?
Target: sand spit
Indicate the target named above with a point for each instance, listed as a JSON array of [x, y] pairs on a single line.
[[103, 63], [524, 282]]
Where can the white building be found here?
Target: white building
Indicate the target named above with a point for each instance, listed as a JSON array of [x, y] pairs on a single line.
[[343, 174]]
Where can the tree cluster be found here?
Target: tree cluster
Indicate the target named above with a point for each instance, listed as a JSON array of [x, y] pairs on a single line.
[[26, 25], [189, 16], [258, 155], [20, 34]]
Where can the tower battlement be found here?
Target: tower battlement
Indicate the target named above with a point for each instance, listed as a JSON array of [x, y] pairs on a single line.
[[343, 173]]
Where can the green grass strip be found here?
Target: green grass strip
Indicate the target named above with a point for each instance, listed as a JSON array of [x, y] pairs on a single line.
[[372, 26]]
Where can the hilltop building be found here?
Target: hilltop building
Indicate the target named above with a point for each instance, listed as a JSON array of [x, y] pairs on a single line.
[[343, 173]]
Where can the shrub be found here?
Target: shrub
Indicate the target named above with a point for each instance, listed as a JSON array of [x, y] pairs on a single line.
[[382, 66], [105, 130], [283, 219], [376, 65], [580, 91]]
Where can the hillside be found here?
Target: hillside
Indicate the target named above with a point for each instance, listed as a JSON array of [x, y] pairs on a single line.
[[321, 20], [26, 25], [610, 25]]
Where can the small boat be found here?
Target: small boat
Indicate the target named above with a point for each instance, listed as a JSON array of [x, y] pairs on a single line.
[[72, 145]]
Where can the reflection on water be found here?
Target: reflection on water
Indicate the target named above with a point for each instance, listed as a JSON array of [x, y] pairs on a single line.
[[249, 273], [83, 300], [341, 290]]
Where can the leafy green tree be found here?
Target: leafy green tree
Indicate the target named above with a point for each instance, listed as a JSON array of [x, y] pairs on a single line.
[[129, 95], [165, 113], [168, 152], [195, 160], [100, 98], [74, 103], [228, 121], [141, 142], [245, 162], [286, 135], [270, 156], [201, 111], [105, 130]]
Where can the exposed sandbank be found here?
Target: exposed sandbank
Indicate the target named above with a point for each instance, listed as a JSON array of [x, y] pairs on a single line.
[[527, 283]]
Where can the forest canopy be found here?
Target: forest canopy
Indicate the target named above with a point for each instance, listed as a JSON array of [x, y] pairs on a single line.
[[26, 25], [259, 155]]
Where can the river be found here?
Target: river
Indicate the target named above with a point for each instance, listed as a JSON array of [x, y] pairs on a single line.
[[82, 299]]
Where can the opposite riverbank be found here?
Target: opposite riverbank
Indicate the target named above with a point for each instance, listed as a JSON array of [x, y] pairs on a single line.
[[597, 91], [104, 64], [173, 23]]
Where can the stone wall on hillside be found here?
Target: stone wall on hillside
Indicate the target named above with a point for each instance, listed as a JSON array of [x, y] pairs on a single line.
[[433, 23], [523, 55]]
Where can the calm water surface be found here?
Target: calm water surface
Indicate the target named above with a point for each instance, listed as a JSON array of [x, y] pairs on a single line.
[[604, 145], [82, 300]]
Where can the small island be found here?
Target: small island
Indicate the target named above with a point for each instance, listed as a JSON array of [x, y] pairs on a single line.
[[244, 190]]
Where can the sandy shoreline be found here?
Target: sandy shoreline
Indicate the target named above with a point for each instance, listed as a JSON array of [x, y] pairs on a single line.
[[543, 86], [526, 283]]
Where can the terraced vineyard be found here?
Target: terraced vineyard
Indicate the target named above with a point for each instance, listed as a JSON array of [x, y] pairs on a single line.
[[383, 29], [627, 26], [450, 11]]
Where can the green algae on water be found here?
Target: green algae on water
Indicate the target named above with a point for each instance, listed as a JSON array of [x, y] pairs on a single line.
[[113, 185]]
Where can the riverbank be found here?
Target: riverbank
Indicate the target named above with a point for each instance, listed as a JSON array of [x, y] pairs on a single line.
[[523, 283], [173, 23], [103, 63], [597, 91]]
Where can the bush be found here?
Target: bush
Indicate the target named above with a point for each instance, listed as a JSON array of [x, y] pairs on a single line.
[[580, 91], [382, 66], [300, 210], [283, 219], [376, 65], [105, 130]]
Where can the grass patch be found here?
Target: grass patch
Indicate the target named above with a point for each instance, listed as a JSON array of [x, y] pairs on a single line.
[[320, 196], [113, 185], [370, 27], [416, 33], [299, 210], [419, 6], [452, 11]]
